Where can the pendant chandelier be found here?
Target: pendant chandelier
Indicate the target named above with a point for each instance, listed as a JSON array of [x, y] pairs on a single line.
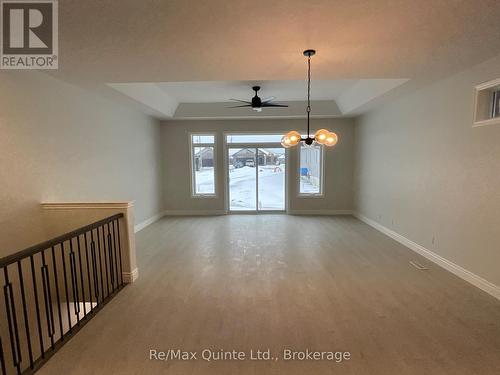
[[322, 136]]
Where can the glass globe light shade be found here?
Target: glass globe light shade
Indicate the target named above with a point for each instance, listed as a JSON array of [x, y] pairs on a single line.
[[321, 136], [285, 142], [290, 139], [331, 139], [294, 137]]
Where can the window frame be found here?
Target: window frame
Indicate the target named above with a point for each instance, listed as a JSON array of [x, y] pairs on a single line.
[[484, 94], [321, 193], [288, 172], [192, 146], [495, 105]]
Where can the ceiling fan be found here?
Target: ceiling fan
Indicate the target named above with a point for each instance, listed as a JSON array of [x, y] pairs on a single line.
[[257, 103]]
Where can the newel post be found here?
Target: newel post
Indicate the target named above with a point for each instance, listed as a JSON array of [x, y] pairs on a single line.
[[63, 217]]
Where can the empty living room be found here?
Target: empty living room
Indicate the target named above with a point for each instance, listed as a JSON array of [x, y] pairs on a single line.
[[250, 187]]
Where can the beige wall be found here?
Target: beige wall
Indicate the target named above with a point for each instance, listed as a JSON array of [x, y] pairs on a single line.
[[61, 143], [177, 172], [424, 172]]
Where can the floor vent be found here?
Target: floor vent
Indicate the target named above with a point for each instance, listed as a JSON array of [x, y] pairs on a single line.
[[418, 266]]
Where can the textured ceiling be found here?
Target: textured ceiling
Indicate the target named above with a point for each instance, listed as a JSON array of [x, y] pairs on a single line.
[[155, 41], [186, 40]]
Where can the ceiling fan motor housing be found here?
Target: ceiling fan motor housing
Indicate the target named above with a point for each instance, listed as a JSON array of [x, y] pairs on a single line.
[[256, 102]]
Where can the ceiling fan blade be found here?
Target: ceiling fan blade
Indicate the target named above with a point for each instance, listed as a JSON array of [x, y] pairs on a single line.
[[241, 101], [240, 106], [268, 99], [273, 105]]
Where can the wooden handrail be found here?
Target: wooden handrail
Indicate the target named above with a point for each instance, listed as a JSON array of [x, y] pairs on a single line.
[[9, 259]]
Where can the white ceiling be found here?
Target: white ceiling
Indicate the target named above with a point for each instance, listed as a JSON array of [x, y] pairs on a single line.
[[169, 43], [212, 100], [222, 91]]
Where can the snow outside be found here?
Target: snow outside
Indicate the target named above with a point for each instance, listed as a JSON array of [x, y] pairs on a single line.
[[243, 180]]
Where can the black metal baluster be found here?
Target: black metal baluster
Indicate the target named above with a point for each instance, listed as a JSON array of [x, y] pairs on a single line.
[[118, 273], [47, 295], [81, 275], [17, 293], [37, 306], [110, 256], [25, 312], [88, 271], [100, 263], [120, 250], [2, 358], [94, 267], [10, 307], [74, 281], [103, 237], [115, 256], [107, 258], [66, 285], [56, 280]]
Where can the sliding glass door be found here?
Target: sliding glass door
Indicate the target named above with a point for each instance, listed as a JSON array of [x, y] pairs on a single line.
[[256, 178], [271, 179], [242, 179]]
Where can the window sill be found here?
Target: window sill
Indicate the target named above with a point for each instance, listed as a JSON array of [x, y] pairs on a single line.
[[301, 196], [204, 196], [491, 121]]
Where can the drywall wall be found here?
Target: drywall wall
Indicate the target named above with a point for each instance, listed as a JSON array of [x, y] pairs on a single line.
[[424, 172], [177, 173], [61, 143]]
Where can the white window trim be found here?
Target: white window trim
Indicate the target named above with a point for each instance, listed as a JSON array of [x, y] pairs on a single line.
[[321, 193], [477, 90], [191, 164]]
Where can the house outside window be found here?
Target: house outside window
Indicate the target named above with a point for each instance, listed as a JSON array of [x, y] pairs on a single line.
[[311, 170], [203, 165]]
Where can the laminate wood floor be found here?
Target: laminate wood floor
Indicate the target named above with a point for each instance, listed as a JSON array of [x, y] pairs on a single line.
[[243, 282]]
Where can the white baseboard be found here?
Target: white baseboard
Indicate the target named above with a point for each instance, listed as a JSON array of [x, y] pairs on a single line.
[[130, 277], [222, 212], [320, 212], [157, 217], [148, 222], [485, 285], [194, 212]]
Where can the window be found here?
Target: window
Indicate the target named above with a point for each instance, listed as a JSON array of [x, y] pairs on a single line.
[[203, 165], [487, 103], [311, 170]]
